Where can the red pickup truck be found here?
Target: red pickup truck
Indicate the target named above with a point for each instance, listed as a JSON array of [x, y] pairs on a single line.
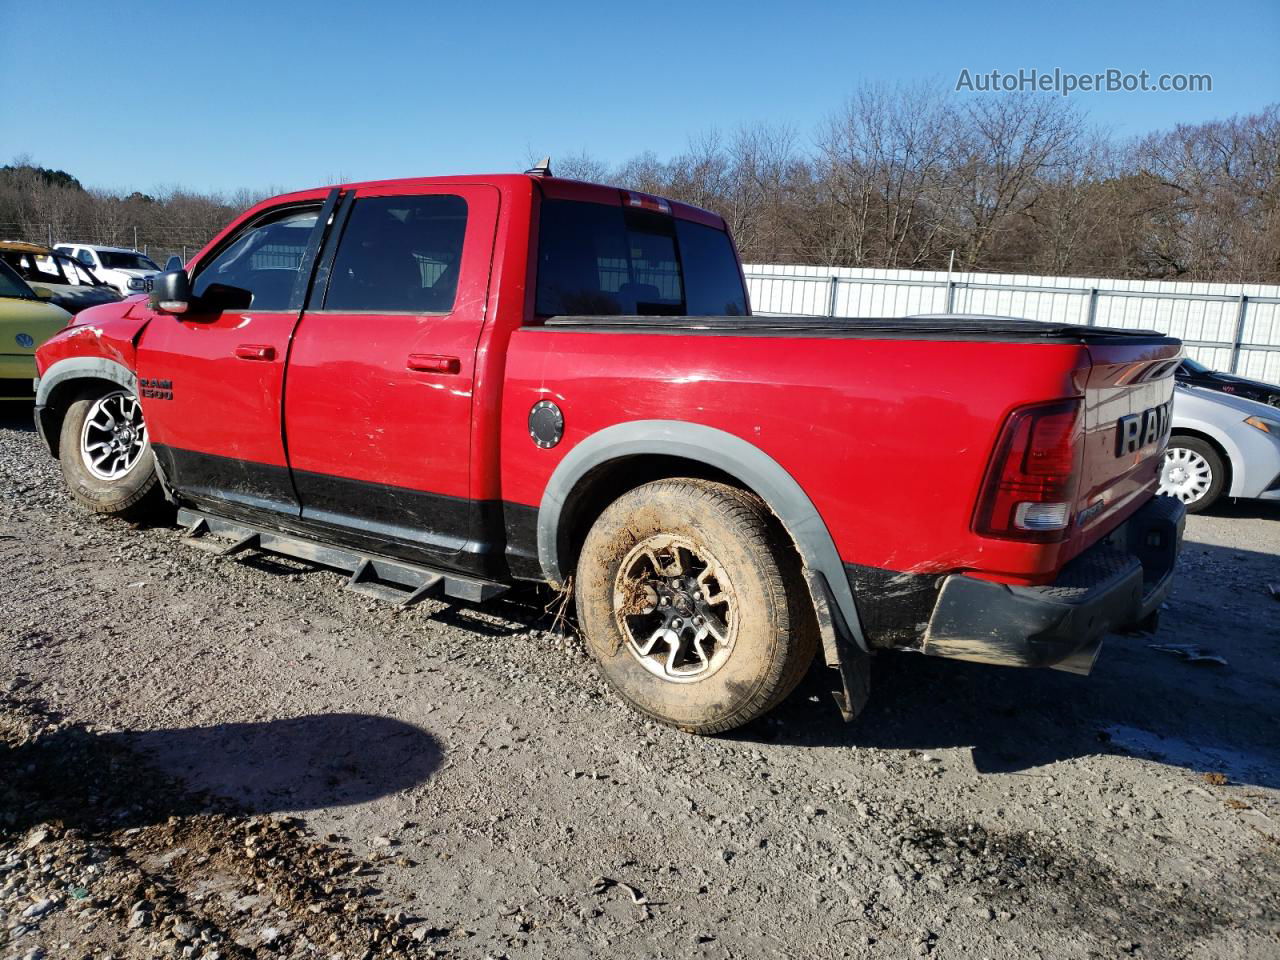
[[447, 385]]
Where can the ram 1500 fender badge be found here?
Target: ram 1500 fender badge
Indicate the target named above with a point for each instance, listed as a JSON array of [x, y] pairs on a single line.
[[546, 424], [150, 388]]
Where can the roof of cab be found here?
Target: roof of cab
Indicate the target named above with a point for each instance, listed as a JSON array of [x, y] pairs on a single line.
[[553, 187], [99, 247]]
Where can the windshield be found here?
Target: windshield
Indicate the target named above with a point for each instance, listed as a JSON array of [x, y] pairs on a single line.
[[77, 273], [32, 267], [12, 285], [115, 260], [1190, 366]]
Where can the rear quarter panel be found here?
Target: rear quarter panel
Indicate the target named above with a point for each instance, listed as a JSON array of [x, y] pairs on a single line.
[[889, 438]]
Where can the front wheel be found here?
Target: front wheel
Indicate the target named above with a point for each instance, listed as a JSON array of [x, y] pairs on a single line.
[[1193, 472], [106, 456], [692, 602]]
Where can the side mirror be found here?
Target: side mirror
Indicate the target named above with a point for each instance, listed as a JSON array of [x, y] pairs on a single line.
[[173, 263], [44, 293], [171, 292]]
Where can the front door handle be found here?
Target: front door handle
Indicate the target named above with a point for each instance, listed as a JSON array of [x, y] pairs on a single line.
[[255, 351], [433, 363]]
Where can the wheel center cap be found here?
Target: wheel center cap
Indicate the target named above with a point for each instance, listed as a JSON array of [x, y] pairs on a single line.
[[683, 604]]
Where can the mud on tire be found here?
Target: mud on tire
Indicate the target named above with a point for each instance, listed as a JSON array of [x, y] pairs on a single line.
[[135, 493], [692, 601]]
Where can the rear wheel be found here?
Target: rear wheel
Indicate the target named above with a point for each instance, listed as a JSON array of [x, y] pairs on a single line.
[[106, 456], [1193, 472], [692, 602]]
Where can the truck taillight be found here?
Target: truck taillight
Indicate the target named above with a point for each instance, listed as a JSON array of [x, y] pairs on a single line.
[[1034, 474]]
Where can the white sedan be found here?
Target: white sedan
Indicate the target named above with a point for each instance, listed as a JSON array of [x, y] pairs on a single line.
[[1221, 446]]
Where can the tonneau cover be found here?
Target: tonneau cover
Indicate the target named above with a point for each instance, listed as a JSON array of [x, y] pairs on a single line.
[[1002, 329]]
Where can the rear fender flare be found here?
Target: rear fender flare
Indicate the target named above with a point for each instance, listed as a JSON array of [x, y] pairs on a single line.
[[740, 459]]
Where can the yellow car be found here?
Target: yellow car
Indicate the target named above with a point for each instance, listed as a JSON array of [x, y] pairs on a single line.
[[27, 319]]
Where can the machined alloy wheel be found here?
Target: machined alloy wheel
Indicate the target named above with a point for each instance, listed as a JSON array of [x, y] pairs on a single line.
[[676, 608], [106, 456], [1186, 474], [114, 436]]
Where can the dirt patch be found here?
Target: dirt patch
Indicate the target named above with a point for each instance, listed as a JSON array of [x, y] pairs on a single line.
[[1012, 871], [210, 882]]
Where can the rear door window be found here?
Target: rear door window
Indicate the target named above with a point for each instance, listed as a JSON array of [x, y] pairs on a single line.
[[601, 260], [399, 255]]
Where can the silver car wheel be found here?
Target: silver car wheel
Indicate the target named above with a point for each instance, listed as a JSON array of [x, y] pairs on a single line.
[[1185, 475], [114, 436]]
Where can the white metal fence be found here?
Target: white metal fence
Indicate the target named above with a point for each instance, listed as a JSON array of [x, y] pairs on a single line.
[[1226, 326]]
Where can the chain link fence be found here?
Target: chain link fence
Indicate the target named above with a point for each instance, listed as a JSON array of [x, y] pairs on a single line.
[[158, 244]]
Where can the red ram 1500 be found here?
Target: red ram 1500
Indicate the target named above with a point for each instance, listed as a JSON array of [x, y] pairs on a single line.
[[446, 385]]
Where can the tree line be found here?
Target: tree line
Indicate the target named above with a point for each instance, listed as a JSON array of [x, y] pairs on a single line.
[[902, 177]]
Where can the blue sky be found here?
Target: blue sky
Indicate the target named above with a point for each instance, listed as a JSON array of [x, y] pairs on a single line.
[[223, 94]]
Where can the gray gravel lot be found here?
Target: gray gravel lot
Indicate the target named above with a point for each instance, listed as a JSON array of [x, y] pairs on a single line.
[[502, 803]]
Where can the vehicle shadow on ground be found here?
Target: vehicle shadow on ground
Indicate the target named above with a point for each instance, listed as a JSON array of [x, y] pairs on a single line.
[[1138, 701], [133, 779], [1245, 509]]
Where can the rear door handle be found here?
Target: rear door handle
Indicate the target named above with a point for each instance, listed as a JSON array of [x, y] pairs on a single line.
[[255, 351], [433, 363]]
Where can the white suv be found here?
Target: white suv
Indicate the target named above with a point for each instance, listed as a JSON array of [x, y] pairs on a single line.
[[126, 270]]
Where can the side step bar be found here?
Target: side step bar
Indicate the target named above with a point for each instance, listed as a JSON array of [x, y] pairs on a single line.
[[394, 580]]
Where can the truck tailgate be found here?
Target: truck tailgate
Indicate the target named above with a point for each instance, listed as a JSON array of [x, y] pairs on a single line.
[[1128, 400]]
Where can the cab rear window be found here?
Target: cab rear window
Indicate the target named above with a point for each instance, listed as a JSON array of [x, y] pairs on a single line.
[[598, 260]]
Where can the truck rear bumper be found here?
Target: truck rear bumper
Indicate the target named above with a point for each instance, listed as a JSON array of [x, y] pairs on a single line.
[[1115, 584]]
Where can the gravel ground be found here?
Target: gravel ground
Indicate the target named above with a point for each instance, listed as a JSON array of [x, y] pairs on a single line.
[[204, 757]]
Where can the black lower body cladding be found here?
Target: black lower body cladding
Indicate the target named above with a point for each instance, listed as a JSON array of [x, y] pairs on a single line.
[[1115, 584]]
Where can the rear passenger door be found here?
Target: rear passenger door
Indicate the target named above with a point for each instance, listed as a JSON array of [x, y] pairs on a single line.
[[378, 390]]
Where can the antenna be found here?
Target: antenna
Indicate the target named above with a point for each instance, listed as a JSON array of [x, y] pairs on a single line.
[[543, 169]]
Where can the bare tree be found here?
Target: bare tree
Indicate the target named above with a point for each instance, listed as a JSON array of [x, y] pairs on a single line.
[[1003, 150], [884, 155]]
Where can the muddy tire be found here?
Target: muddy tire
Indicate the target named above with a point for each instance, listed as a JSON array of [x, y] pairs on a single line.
[[690, 598], [106, 458]]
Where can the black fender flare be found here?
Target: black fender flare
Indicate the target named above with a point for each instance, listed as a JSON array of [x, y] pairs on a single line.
[[832, 595], [76, 368]]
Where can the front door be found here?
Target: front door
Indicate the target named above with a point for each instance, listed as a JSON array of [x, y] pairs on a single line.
[[210, 380], [379, 387]]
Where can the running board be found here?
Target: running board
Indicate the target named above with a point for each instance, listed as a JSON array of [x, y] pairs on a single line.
[[396, 581]]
